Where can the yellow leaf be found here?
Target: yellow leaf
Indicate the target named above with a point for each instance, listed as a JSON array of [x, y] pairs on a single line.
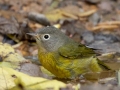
[[9, 56], [6, 80], [30, 82], [58, 14], [54, 15]]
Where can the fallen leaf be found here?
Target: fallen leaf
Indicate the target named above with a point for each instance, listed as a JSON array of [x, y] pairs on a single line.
[[8, 26], [6, 80], [58, 14], [30, 82], [9, 57]]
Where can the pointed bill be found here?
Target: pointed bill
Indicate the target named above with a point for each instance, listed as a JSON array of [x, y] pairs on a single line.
[[35, 35]]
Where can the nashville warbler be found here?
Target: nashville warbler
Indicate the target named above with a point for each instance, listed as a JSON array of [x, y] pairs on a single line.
[[64, 57]]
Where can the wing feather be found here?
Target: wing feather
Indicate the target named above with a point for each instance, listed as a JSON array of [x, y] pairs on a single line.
[[75, 51]]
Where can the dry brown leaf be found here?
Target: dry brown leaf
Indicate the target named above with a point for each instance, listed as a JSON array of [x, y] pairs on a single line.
[[71, 9], [9, 14], [23, 49], [69, 15], [14, 23], [32, 7], [108, 27], [8, 26], [110, 23], [100, 75], [87, 13]]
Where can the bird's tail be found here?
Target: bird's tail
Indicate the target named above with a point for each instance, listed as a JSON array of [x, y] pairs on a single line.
[[103, 65]]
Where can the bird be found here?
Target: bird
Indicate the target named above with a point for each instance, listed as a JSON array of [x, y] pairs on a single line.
[[63, 57]]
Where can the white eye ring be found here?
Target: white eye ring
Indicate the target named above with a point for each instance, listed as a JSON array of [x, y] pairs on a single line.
[[46, 36]]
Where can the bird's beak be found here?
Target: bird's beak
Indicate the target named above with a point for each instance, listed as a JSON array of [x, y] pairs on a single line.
[[32, 34], [35, 35]]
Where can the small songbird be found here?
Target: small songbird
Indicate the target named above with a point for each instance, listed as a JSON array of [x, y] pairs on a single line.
[[64, 57]]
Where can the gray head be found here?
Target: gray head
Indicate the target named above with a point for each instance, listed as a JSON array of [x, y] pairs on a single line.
[[51, 38]]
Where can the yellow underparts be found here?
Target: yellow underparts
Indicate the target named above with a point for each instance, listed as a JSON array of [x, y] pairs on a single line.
[[66, 68], [47, 61]]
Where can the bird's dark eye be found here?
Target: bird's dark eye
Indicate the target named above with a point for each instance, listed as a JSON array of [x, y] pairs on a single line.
[[46, 36]]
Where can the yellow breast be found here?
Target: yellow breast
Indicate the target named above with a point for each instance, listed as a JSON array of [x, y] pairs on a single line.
[[48, 61], [63, 67]]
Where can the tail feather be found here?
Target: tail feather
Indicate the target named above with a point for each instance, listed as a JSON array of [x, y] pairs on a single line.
[[103, 65]]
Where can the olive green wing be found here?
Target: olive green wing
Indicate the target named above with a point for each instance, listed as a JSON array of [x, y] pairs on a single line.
[[75, 50]]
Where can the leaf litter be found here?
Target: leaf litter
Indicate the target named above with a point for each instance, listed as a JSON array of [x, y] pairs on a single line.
[[94, 23]]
